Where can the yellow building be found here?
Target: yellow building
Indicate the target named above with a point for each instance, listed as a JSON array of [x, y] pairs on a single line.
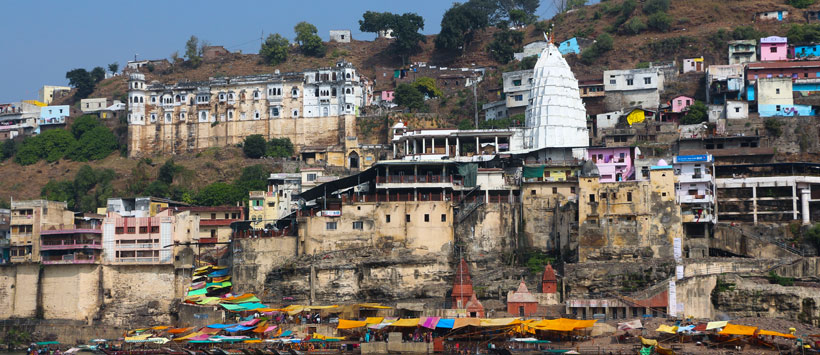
[[265, 207], [46, 93], [28, 219], [628, 219]]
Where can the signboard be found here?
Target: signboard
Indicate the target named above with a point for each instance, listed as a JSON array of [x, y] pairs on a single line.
[[330, 213], [692, 158], [673, 299], [679, 272], [678, 249]]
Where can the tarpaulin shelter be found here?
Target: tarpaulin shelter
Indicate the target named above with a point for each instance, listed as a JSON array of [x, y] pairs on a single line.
[[670, 329], [242, 306], [497, 322], [373, 320], [463, 322], [715, 325], [239, 328], [138, 337], [219, 273], [406, 322], [445, 323], [777, 334], [220, 326], [562, 324], [373, 306], [244, 298], [179, 330], [633, 324], [429, 322], [350, 324], [736, 329]]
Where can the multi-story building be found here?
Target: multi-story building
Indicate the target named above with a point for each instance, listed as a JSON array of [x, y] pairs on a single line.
[[775, 97], [724, 82], [517, 86], [265, 207], [308, 107], [214, 221], [742, 51], [77, 243], [28, 220], [695, 192], [774, 48], [93, 104], [625, 220], [147, 239], [613, 164], [632, 87], [18, 118], [53, 116], [47, 93], [5, 229]]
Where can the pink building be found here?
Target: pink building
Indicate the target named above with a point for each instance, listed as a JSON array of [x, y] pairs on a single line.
[[146, 240], [680, 103], [773, 48], [388, 96], [614, 163]]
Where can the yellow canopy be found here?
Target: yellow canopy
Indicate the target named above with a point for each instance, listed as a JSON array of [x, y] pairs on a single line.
[[253, 341], [139, 337], [160, 327], [373, 320], [406, 322], [777, 334], [715, 325], [562, 324], [671, 329], [736, 329], [194, 334], [648, 342], [463, 322], [373, 305], [350, 324], [495, 322], [203, 268], [637, 116], [325, 337]]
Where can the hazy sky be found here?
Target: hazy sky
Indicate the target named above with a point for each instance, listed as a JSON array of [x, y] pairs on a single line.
[[42, 40]]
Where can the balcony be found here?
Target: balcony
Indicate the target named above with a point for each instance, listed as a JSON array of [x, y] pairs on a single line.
[[690, 178], [696, 199], [70, 259], [140, 260], [70, 244], [399, 181], [138, 246], [689, 217]]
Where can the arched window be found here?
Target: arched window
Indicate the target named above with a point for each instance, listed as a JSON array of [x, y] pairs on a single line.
[[348, 91], [203, 116], [256, 115], [141, 100]]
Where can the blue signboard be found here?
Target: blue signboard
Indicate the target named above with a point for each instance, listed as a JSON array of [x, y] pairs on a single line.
[[691, 158]]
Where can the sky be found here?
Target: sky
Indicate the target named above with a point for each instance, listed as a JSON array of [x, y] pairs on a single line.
[[42, 40]]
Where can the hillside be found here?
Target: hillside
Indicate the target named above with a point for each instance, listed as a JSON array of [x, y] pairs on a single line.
[[698, 28]]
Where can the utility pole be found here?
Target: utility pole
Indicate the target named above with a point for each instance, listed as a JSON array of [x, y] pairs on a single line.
[[475, 102]]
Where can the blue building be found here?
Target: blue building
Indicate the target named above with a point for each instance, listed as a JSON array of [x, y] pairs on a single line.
[[569, 46], [806, 51], [53, 115]]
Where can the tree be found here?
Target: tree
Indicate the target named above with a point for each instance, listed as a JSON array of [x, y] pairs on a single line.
[[427, 86], [218, 194], [603, 44], [520, 17], [275, 49], [254, 146], [459, 23], [8, 149], [309, 42], [655, 6], [84, 124], [695, 113], [192, 52], [408, 96], [801, 4], [813, 236], [114, 67], [405, 29], [253, 178], [505, 43], [82, 80], [808, 33], [659, 21], [95, 144], [749, 32], [279, 148], [168, 170], [56, 143], [97, 74]]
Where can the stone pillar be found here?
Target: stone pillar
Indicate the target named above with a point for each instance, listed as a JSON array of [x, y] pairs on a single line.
[[458, 148], [433, 145], [407, 147], [805, 196], [447, 146], [394, 150], [794, 201], [424, 146], [754, 203], [477, 147], [496, 144]]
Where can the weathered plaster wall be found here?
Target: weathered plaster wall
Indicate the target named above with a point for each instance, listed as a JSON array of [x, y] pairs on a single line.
[[134, 295], [254, 258], [548, 215], [71, 291]]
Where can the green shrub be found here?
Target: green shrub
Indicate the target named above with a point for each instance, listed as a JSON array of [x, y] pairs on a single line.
[[279, 148], [695, 113], [254, 146], [801, 4], [774, 126], [774, 278], [634, 26], [659, 21], [655, 6]]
